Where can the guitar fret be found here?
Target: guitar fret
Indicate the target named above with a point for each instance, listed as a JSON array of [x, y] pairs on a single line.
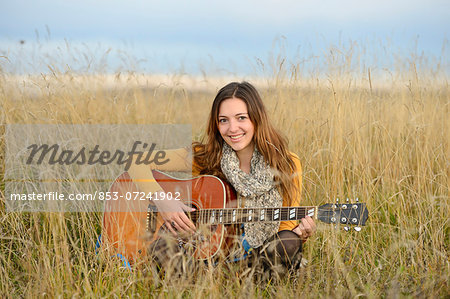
[[292, 213], [270, 213], [226, 216], [262, 212], [213, 215], [302, 213], [276, 214]]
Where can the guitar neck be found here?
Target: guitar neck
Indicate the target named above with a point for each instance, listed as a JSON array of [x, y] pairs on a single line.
[[251, 215]]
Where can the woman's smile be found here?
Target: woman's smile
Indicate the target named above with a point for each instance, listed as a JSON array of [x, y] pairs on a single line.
[[237, 138]]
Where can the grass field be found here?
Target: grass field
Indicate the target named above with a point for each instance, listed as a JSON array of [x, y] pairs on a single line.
[[383, 139]]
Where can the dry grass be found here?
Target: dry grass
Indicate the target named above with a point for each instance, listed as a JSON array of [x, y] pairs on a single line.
[[384, 140]]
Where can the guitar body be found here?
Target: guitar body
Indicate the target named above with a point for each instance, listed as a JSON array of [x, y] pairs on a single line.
[[131, 222]]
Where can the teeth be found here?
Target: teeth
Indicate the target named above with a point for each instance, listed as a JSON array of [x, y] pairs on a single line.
[[236, 137]]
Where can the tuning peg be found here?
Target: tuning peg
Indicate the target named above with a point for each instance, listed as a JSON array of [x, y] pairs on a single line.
[[336, 204], [345, 206], [346, 228], [357, 228], [355, 206], [348, 199]]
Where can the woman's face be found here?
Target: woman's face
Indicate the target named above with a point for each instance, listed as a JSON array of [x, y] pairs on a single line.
[[235, 125]]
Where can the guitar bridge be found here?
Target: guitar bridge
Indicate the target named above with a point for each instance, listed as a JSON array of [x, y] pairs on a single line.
[[152, 211]]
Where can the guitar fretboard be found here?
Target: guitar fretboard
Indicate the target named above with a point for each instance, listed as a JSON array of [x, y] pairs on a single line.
[[247, 215]]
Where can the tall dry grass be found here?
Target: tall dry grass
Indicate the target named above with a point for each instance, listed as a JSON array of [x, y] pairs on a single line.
[[383, 139]]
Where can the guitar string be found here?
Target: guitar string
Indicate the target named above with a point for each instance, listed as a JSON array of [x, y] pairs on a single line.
[[210, 215]]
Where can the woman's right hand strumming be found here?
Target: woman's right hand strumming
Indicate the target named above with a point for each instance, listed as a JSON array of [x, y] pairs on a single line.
[[175, 219], [171, 211]]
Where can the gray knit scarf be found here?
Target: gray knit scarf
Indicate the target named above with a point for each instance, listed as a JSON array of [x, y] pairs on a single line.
[[256, 189]]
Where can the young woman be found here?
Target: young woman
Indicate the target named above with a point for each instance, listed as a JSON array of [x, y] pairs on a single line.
[[242, 147]]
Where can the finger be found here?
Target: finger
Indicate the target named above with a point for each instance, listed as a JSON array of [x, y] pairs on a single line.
[[301, 227], [312, 224], [187, 208], [185, 218], [297, 231], [181, 222], [306, 226], [174, 225], [170, 227], [189, 224], [305, 231]]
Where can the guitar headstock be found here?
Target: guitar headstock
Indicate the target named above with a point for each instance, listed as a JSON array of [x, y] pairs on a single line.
[[346, 213]]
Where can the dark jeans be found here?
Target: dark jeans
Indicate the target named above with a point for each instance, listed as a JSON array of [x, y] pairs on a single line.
[[278, 256]]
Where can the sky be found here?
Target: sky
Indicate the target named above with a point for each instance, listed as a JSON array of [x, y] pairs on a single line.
[[227, 36]]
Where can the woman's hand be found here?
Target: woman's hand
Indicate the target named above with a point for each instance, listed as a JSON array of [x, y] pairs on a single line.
[[306, 228], [176, 221]]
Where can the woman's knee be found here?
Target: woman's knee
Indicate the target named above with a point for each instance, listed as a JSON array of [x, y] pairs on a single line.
[[288, 244]]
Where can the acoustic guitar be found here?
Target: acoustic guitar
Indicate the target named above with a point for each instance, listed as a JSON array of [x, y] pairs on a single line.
[[131, 221]]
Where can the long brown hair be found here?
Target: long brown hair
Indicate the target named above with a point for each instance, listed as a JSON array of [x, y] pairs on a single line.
[[269, 142]]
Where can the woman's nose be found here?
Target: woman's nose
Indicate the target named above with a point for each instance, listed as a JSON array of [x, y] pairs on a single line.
[[233, 126]]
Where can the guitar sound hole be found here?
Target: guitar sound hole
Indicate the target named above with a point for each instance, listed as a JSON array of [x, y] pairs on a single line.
[[193, 216]]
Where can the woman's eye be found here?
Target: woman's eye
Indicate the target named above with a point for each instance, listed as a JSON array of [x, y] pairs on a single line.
[[222, 120], [242, 117]]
